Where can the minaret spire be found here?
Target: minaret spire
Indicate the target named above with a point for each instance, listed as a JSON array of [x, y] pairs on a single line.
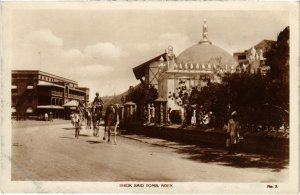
[[204, 39]]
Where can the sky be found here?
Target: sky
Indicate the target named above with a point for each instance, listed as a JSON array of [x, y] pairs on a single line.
[[99, 48]]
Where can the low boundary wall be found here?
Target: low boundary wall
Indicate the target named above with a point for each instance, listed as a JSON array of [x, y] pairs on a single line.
[[251, 143]]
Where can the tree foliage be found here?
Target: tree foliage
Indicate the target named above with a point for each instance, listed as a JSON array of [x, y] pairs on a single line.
[[182, 96], [261, 101], [142, 94], [278, 60]]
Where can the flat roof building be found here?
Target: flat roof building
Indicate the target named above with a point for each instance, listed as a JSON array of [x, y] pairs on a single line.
[[35, 93]]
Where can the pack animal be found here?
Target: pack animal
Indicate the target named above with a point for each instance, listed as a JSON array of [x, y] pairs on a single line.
[[96, 118]]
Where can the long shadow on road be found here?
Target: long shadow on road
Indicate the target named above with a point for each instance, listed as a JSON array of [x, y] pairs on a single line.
[[240, 160], [69, 128], [67, 137], [95, 142], [210, 154]]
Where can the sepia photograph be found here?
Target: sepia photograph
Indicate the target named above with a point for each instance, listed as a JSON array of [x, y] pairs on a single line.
[[153, 97]]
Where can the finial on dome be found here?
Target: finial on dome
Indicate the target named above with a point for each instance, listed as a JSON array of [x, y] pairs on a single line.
[[204, 39], [205, 30]]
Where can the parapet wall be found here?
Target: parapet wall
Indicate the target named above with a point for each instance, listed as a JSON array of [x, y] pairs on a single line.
[[250, 143]]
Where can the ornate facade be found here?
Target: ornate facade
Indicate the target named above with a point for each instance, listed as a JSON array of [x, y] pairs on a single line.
[[194, 67], [253, 60]]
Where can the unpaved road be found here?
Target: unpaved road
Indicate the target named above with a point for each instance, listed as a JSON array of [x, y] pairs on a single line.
[[48, 151]]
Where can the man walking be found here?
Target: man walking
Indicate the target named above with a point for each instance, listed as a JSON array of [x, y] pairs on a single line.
[[117, 121]]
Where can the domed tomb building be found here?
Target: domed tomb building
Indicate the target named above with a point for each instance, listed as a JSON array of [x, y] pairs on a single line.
[[193, 68]]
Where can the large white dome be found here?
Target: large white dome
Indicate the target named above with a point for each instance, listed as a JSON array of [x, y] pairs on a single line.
[[206, 54]]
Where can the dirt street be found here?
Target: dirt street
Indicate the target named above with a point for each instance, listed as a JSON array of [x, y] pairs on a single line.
[[48, 151]]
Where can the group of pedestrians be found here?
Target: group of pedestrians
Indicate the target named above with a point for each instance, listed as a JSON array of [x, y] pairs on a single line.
[[111, 119]]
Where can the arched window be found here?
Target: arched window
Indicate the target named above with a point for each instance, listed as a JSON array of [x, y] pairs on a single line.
[[29, 110], [30, 86]]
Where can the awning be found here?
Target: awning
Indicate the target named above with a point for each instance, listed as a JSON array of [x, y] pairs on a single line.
[[29, 110], [50, 107], [72, 103], [13, 110], [14, 87], [44, 83]]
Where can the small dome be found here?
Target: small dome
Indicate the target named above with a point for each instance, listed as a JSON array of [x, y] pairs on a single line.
[[206, 54]]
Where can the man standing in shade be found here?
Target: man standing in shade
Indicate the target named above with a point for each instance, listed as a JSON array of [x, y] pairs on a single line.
[[233, 132]]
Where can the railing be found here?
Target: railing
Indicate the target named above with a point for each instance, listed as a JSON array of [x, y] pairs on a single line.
[[57, 93], [49, 93], [60, 94], [78, 97]]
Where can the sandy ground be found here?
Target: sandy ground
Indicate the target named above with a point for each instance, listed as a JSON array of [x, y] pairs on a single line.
[[48, 151]]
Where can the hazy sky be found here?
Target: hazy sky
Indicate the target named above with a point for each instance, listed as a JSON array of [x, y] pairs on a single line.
[[99, 48]]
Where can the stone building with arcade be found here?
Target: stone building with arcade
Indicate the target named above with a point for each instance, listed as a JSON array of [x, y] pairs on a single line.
[[35, 93]]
